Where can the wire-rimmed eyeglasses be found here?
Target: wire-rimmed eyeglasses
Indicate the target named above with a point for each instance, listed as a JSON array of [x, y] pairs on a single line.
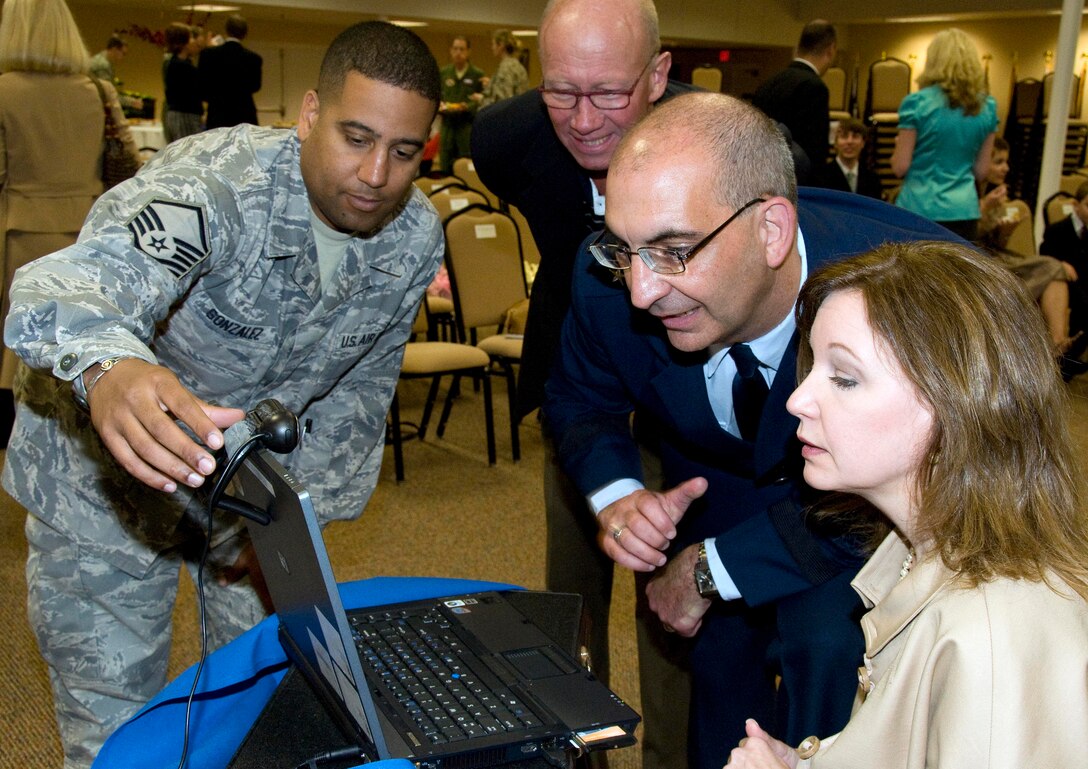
[[660, 259], [559, 98]]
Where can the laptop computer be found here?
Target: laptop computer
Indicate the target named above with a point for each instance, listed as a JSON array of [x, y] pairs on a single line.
[[455, 683]]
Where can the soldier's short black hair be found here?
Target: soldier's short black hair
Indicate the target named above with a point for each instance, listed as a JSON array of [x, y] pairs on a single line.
[[383, 52], [115, 41]]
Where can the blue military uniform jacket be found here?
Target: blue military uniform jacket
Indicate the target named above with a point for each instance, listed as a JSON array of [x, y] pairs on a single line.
[[615, 359]]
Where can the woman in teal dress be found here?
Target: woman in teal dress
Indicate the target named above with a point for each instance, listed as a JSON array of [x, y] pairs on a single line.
[[946, 133]]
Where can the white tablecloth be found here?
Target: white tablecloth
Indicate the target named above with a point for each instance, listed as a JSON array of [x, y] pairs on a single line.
[[148, 135]]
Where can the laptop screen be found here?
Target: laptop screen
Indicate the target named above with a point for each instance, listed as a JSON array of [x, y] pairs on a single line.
[[300, 581]]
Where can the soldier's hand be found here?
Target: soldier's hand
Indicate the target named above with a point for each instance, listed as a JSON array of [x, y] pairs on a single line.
[[637, 529], [134, 406]]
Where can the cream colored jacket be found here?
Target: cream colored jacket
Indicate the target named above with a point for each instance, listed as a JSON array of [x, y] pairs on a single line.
[[993, 677]]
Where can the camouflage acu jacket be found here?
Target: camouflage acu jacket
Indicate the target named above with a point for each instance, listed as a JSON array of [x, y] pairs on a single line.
[[205, 263]]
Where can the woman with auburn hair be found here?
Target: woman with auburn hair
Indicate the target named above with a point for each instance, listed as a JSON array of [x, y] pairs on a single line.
[[52, 126], [946, 132], [943, 424]]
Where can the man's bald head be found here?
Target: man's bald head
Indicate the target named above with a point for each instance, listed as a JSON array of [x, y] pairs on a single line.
[[748, 153], [621, 21]]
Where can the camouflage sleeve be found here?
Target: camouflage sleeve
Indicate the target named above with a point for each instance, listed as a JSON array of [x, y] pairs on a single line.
[[142, 247], [341, 453]]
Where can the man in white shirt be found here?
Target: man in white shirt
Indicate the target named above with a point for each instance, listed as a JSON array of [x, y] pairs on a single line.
[[682, 313]]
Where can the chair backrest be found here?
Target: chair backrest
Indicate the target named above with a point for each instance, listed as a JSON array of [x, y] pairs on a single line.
[[1022, 238], [528, 242], [1074, 107], [431, 184], [835, 80], [464, 168], [889, 82], [453, 197], [707, 77], [484, 259], [1058, 206]]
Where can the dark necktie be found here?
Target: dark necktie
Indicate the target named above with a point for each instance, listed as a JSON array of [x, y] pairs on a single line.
[[749, 391]]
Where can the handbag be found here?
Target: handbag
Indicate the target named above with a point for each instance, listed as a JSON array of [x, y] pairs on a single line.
[[117, 163]]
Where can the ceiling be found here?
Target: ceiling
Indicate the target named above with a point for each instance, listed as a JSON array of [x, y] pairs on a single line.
[[481, 16]]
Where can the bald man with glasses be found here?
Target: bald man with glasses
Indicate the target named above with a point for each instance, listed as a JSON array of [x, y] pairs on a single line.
[[547, 152], [682, 314]]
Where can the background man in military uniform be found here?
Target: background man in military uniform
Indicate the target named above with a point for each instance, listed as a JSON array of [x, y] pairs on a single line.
[[461, 79], [238, 265]]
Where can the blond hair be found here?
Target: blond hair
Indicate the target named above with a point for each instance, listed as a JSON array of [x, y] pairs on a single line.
[[999, 490], [953, 64], [41, 36]]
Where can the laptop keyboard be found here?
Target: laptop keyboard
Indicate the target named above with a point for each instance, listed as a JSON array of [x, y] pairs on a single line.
[[441, 685]]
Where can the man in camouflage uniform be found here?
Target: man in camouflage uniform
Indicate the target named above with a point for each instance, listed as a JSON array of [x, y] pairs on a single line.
[[239, 264], [461, 82]]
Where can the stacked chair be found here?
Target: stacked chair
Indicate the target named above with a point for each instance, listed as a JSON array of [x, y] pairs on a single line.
[[889, 82]]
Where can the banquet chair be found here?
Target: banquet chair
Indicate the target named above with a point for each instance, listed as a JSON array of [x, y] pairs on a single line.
[[431, 184], [453, 197], [487, 279], [435, 360], [1022, 238], [440, 311], [889, 82], [707, 77], [464, 168], [1058, 206], [837, 99]]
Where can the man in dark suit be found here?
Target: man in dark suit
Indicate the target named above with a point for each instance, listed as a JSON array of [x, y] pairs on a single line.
[[547, 153], [845, 172], [229, 76], [798, 97], [703, 189]]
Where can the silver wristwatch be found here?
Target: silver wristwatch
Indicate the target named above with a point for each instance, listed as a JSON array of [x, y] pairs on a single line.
[[704, 580]]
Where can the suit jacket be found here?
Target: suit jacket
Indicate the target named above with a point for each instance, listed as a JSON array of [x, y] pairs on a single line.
[[798, 97], [615, 359], [987, 676], [1061, 241], [229, 76], [869, 184], [520, 159]]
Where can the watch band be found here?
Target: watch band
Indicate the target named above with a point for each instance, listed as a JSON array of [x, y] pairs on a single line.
[[704, 579]]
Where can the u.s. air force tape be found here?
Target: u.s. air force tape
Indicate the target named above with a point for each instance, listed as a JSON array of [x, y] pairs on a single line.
[[173, 234]]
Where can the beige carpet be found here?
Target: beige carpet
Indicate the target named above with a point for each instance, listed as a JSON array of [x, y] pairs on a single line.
[[428, 525]]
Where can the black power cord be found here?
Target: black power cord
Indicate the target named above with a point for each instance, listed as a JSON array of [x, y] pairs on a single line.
[[341, 754], [276, 429]]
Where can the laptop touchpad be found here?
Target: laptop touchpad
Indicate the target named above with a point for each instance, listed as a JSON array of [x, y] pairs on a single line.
[[534, 664]]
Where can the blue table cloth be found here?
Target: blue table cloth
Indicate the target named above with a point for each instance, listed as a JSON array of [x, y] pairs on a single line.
[[237, 682]]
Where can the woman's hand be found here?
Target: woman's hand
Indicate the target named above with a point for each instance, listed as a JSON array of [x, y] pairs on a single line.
[[760, 750]]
